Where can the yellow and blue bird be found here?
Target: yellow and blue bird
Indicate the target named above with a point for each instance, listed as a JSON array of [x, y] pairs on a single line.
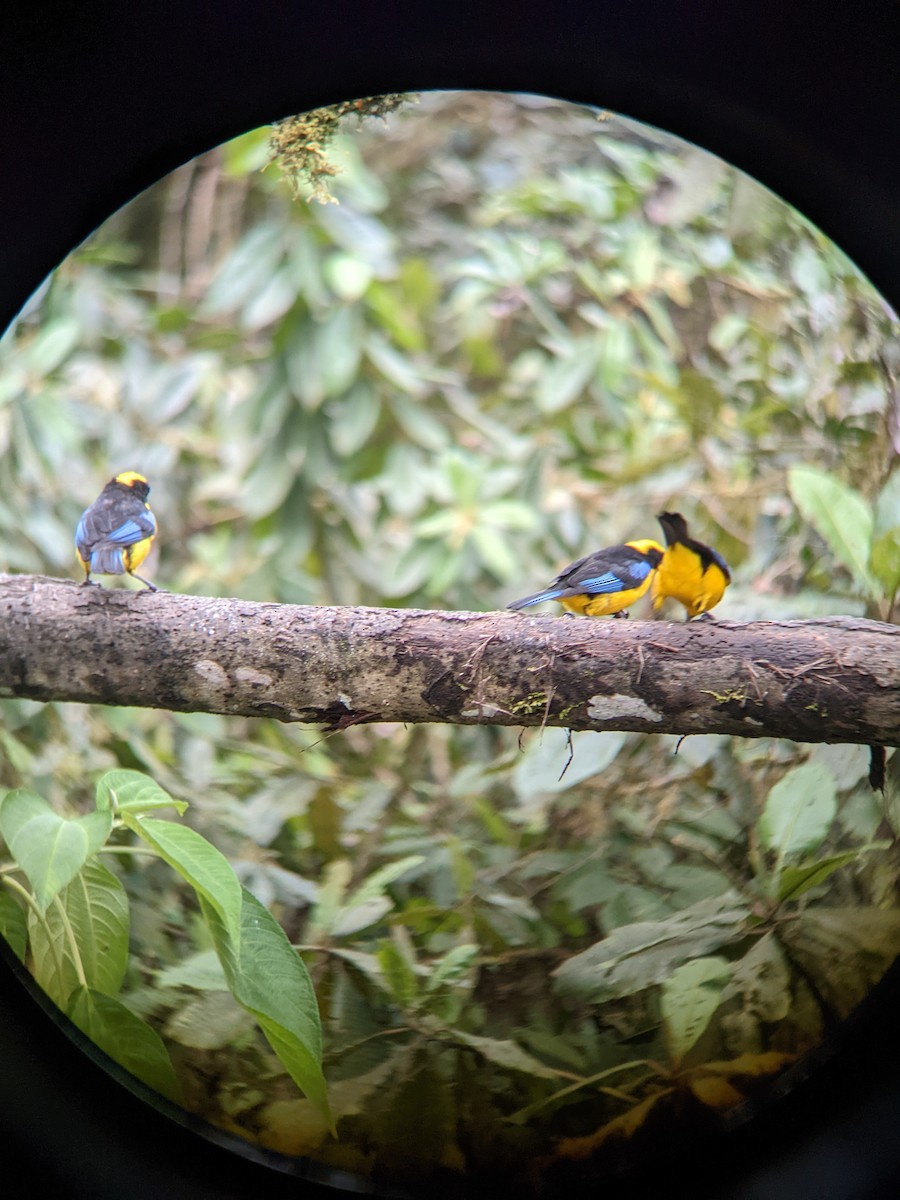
[[690, 572], [116, 532], [604, 583]]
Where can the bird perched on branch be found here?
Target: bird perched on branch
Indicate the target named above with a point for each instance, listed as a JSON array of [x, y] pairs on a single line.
[[690, 572], [604, 583], [116, 532]]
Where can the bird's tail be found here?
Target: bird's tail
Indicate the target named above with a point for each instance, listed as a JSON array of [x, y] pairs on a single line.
[[537, 598], [107, 560]]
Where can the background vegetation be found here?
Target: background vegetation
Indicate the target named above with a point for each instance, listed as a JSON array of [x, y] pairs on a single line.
[[524, 329]]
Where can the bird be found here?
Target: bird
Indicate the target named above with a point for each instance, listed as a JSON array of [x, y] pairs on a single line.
[[115, 533], [690, 572], [604, 583]]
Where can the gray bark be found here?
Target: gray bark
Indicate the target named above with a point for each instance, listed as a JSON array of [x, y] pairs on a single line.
[[835, 679]]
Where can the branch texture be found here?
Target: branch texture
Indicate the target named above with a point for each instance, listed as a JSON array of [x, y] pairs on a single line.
[[831, 680]]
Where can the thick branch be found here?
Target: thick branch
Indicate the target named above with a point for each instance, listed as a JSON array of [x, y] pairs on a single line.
[[833, 680]]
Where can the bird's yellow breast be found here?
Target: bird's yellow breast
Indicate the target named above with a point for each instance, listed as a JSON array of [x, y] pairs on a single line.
[[681, 576]]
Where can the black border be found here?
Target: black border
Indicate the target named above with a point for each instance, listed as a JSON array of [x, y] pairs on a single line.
[[98, 100]]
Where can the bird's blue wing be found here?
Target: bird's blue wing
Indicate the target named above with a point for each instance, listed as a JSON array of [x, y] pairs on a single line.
[[135, 529], [81, 536], [614, 581]]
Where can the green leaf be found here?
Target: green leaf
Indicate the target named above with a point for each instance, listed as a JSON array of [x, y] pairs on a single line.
[[539, 769], [331, 893], [506, 1054], [134, 792], [207, 870], [794, 881], [399, 973], [884, 559], [201, 971], [380, 880], [565, 378], [887, 506], [637, 956], [92, 910], [50, 849], [840, 515], [13, 924], [52, 345], [689, 998], [368, 904], [268, 978], [454, 967], [799, 810], [127, 1040]]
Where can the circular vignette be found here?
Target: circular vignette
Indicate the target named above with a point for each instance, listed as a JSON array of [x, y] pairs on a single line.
[[96, 109]]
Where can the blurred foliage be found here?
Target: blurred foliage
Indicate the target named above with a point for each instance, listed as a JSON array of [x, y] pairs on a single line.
[[523, 330]]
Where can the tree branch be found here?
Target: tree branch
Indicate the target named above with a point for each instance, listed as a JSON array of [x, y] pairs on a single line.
[[831, 680]]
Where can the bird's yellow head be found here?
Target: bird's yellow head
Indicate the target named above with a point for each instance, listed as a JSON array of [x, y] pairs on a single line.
[[648, 546], [130, 478]]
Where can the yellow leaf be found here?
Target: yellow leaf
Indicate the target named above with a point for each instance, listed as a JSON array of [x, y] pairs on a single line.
[[750, 1066], [714, 1091], [624, 1126]]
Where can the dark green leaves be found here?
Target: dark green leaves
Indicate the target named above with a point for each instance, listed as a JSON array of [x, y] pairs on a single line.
[[268, 978], [635, 956]]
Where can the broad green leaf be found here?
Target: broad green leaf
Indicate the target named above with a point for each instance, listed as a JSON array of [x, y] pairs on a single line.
[[268, 978], [799, 810], [840, 515], [52, 345], [493, 549], [689, 998], [453, 967], [539, 769], [92, 909], [794, 881], [50, 849], [507, 1054], [637, 956], [13, 924], [380, 880], [205, 868], [565, 378], [355, 917], [201, 971], [132, 791], [127, 1040], [354, 419]]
